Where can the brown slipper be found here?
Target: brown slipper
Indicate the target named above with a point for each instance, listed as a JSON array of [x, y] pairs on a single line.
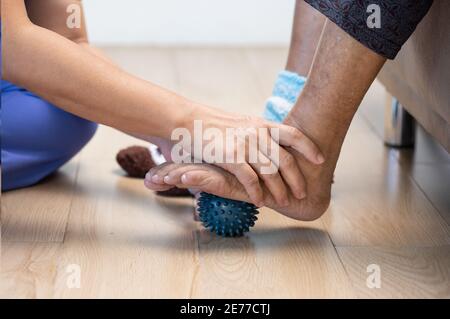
[[135, 160]]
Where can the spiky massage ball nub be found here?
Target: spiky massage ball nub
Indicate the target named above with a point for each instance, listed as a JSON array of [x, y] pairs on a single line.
[[226, 217]]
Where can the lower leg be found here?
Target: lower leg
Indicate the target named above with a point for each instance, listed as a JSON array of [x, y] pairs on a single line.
[[307, 27], [340, 76], [306, 30], [342, 71]]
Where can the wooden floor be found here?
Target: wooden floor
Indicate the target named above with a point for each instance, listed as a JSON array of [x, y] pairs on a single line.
[[390, 212]]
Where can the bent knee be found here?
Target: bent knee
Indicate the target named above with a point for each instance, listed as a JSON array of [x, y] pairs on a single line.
[[80, 134], [31, 124]]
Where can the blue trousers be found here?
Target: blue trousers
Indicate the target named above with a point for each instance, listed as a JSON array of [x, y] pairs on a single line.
[[36, 137]]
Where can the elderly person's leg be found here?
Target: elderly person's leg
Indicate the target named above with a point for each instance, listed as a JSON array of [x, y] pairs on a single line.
[[306, 30], [380, 25], [341, 74]]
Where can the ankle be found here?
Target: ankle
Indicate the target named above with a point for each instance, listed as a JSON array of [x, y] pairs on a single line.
[[314, 119]]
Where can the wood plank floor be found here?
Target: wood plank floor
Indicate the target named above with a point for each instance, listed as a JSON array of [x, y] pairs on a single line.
[[390, 209]]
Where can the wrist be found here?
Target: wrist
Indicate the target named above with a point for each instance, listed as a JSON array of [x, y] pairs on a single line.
[[198, 112], [180, 116]]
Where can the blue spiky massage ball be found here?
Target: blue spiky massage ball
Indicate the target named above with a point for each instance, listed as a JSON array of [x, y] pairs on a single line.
[[226, 217]]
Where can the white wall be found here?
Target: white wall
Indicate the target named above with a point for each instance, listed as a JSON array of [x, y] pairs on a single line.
[[189, 22]]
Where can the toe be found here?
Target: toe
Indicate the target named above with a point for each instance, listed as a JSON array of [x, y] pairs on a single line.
[[156, 174], [174, 176], [156, 187]]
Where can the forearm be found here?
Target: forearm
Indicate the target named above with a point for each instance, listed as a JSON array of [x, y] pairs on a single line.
[[84, 84], [96, 52]]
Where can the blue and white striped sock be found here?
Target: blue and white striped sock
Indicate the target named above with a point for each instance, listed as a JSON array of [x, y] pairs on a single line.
[[284, 95]]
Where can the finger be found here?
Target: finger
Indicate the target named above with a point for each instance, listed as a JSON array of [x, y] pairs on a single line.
[[287, 166], [290, 136], [291, 174], [272, 179], [205, 177], [249, 179], [214, 182]]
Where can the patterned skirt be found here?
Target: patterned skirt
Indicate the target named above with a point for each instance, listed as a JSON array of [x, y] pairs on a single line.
[[381, 25]]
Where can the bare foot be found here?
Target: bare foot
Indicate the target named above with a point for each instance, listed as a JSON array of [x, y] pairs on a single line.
[[328, 134], [214, 180]]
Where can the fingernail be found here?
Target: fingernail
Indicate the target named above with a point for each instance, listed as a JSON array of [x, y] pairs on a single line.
[[166, 179], [184, 178], [320, 158]]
